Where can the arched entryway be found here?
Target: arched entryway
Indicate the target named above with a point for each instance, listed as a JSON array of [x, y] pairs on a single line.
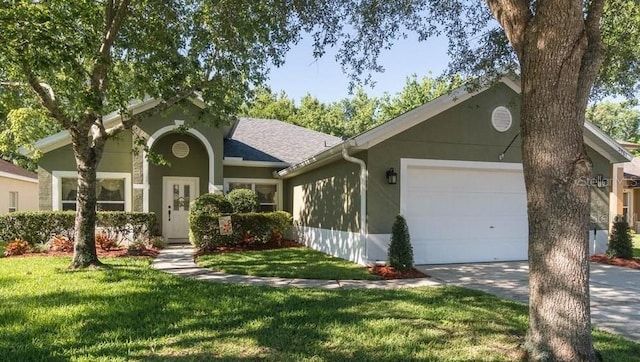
[[172, 186]]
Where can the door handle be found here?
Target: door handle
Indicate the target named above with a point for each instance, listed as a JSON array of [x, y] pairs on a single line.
[[169, 212]]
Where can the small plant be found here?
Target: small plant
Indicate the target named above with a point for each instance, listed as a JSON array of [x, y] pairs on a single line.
[[135, 247], [243, 200], [620, 243], [157, 242], [104, 242], [61, 243], [16, 247], [400, 250]]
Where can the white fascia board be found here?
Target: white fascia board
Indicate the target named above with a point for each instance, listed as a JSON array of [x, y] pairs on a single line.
[[245, 163], [18, 177], [316, 161], [615, 154]]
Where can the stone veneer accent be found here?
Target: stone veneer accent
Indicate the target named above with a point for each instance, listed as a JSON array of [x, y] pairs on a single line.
[[44, 185], [137, 201]]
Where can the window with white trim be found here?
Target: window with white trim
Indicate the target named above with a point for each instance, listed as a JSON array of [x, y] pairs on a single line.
[[112, 191], [268, 191], [626, 205], [13, 201]]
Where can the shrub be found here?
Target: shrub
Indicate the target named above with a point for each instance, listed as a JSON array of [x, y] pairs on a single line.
[[620, 244], [243, 200], [400, 250], [16, 247], [105, 242], [211, 204], [38, 227], [61, 243], [204, 229]]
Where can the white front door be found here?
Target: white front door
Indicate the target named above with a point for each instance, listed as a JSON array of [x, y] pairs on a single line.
[[178, 192]]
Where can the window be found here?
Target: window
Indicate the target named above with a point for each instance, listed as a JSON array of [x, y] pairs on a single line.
[[268, 191], [13, 201], [112, 191], [626, 202]]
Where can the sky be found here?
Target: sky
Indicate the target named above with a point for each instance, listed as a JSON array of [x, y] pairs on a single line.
[[324, 79]]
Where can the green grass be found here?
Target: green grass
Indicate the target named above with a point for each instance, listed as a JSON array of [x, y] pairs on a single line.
[[129, 311], [636, 246], [299, 262]]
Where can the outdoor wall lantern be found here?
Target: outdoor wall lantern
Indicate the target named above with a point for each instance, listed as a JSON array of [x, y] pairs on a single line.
[[392, 176]]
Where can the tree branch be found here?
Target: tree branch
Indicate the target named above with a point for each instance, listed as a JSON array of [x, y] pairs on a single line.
[[128, 122], [45, 94], [513, 16], [594, 55], [115, 14]]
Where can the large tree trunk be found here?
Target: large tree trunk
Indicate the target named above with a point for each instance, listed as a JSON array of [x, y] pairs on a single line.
[[555, 168], [87, 157]]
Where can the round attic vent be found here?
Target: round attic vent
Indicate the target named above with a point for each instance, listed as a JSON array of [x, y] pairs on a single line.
[[501, 119], [180, 149]]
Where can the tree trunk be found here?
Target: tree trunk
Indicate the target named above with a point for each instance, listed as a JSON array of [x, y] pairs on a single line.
[[555, 168], [87, 157]]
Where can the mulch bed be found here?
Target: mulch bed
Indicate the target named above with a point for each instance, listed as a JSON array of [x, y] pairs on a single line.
[[626, 263], [387, 273], [114, 253]]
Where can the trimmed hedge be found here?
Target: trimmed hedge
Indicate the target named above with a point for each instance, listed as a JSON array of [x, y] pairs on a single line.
[[243, 200], [39, 226], [210, 204], [204, 229]]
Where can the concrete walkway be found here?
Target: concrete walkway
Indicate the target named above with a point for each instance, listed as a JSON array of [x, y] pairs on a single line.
[[178, 260]]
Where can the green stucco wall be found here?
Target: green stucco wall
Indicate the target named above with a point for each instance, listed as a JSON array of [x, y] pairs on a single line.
[[195, 118], [249, 172], [331, 196]]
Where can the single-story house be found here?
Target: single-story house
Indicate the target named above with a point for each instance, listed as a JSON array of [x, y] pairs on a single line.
[[18, 188], [452, 167], [629, 198]]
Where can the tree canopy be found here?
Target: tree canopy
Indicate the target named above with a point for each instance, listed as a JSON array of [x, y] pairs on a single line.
[[349, 116]]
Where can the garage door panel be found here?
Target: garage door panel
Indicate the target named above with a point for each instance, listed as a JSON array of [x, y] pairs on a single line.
[[435, 228], [466, 214], [457, 252]]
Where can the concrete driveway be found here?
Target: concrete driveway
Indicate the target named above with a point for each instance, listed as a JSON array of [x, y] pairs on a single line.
[[615, 291]]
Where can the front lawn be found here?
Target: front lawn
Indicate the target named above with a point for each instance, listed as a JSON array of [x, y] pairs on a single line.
[[129, 311], [636, 246], [297, 262]]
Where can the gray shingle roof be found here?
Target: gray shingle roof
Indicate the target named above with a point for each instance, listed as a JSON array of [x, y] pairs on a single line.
[[9, 167], [271, 140]]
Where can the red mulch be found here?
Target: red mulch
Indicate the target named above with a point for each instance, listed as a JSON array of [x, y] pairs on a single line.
[[114, 253], [387, 272], [627, 263]]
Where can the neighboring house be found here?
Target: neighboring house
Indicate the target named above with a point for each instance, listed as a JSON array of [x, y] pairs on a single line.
[[452, 167], [628, 175], [18, 188]]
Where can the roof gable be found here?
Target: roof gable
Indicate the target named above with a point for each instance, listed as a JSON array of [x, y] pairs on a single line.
[[593, 136], [9, 170]]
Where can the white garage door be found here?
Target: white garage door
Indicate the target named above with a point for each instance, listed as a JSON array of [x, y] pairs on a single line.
[[461, 212]]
